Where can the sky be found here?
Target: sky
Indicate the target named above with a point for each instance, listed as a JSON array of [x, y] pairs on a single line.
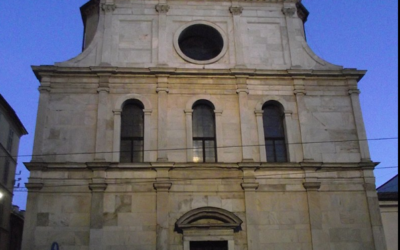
[[355, 34]]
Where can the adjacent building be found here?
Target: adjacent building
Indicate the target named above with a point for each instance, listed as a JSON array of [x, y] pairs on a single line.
[[196, 125], [11, 130], [388, 195]]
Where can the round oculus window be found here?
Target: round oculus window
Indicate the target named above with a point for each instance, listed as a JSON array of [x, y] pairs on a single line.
[[200, 43]]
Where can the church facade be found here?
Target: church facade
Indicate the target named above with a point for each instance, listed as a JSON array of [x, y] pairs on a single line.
[[199, 125]]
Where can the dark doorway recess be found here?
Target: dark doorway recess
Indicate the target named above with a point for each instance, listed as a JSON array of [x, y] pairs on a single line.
[[208, 245]]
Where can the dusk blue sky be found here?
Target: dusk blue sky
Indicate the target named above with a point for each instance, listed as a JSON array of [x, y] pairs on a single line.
[[355, 34]]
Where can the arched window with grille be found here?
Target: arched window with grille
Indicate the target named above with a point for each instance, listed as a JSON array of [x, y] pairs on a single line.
[[274, 132], [132, 132], [204, 142]]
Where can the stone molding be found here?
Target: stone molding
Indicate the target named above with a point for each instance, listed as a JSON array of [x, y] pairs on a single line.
[[103, 89], [100, 165], [354, 91], [236, 10], [249, 186], [44, 71], [43, 89], [107, 7], [312, 185], [32, 187], [162, 8], [227, 219], [98, 187], [91, 8], [162, 186], [162, 90], [289, 11]]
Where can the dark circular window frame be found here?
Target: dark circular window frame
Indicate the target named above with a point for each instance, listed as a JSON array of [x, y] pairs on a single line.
[[191, 60]]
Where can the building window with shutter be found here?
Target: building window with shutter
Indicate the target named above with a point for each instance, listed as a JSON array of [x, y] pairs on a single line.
[[6, 172], [10, 140], [204, 143], [274, 132], [132, 132]]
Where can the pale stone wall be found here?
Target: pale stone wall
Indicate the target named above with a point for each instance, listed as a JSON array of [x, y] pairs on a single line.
[[259, 35], [323, 197], [390, 220]]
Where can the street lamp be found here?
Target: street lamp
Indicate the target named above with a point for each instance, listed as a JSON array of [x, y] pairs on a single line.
[[1, 195]]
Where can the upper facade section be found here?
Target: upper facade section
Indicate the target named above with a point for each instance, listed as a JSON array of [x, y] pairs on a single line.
[[196, 34]]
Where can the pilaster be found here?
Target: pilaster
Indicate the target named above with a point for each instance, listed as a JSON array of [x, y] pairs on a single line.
[[162, 90], [319, 238], [34, 187], [358, 120], [245, 128], [107, 9], [102, 113], [97, 186], [162, 186], [238, 32], [250, 185], [116, 135], [300, 92], [162, 8], [40, 128], [219, 135], [373, 208]]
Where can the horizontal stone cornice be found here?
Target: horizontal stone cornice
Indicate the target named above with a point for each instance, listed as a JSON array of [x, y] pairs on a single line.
[[58, 71], [111, 166]]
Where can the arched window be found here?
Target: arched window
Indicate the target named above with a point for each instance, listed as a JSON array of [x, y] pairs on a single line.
[[132, 131], [274, 132], [204, 143]]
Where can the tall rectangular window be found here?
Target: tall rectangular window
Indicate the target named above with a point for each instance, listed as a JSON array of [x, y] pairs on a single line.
[[274, 132], [132, 132], [10, 140], [6, 171], [204, 146]]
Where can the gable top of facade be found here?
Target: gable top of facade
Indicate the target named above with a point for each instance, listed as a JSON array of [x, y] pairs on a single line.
[[9, 111], [257, 36]]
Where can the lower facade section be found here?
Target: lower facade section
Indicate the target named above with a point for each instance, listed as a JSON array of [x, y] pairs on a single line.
[[203, 207]]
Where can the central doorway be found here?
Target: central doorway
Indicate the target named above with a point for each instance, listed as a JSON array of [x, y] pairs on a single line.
[[209, 245]]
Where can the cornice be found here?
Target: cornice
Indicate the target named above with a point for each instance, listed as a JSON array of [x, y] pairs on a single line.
[[110, 166], [51, 71]]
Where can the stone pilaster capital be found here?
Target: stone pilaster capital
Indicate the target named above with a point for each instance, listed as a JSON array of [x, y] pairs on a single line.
[[242, 90], [312, 185], [98, 187], [34, 187], [108, 7], [44, 89], [288, 113], [117, 111], [162, 8], [218, 112], [147, 111], [236, 10], [158, 90], [249, 186], [354, 91], [289, 11], [162, 186], [188, 111], [103, 89], [258, 112]]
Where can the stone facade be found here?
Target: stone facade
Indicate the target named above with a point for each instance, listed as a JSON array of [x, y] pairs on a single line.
[[83, 197], [388, 195], [11, 130]]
